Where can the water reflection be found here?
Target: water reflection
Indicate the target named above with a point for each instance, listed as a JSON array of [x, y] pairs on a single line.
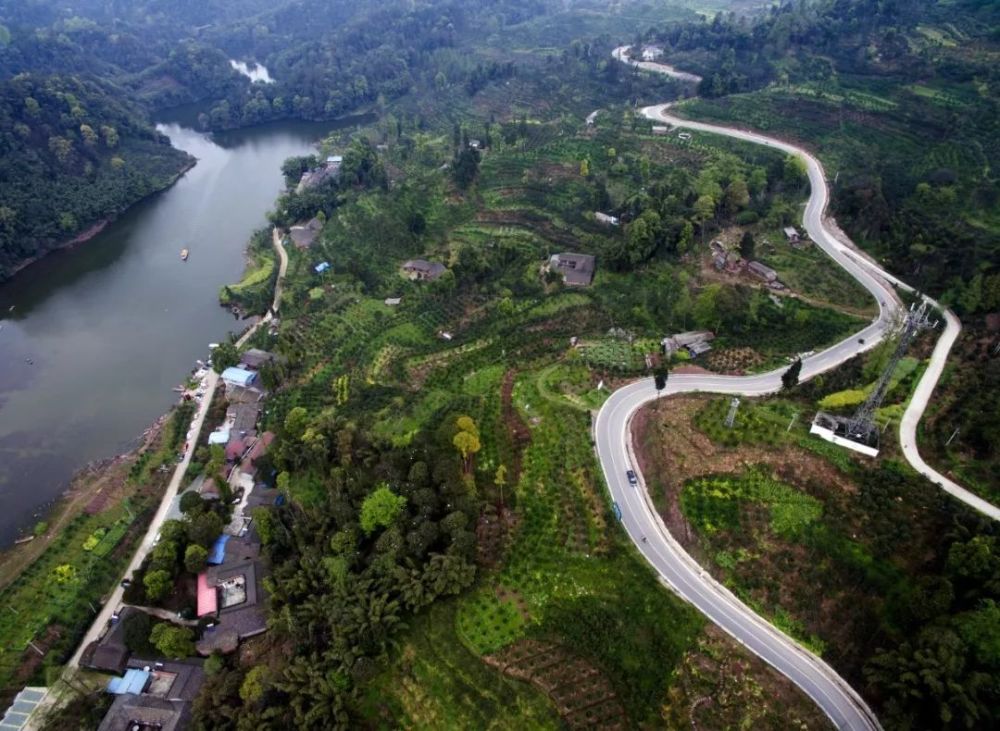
[[100, 333]]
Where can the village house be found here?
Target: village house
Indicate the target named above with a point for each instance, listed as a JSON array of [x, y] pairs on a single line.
[[606, 219], [176, 680], [763, 271], [303, 235], [150, 694], [327, 171], [421, 270], [659, 129], [233, 593], [109, 653], [130, 712], [236, 376], [651, 53], [792, 235], [694, 341], [255, 358], [475, 145], [576, 269]]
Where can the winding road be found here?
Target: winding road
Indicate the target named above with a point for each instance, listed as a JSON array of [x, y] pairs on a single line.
[[676, 568]]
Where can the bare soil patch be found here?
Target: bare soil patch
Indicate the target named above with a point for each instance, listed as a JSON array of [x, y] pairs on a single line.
[[672, 450], [780, 574]]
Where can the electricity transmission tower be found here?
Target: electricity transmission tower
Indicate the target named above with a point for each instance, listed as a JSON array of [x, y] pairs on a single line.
[[731, 416], [862, 427]]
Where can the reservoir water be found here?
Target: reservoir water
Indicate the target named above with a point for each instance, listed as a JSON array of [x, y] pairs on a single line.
[[93, 338]]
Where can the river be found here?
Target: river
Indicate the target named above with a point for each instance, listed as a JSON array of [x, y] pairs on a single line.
[[100, 333]]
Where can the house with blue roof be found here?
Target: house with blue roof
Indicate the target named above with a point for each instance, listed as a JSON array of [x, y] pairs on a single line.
[[236, 376], [134, 681]]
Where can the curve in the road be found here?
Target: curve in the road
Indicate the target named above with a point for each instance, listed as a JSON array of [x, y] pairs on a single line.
[[675, 566]]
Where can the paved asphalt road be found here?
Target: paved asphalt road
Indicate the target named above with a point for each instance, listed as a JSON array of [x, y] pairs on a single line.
[[676, 568], [639, 517], [611, 434]]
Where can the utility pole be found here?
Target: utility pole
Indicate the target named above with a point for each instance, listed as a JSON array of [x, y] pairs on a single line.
[[792, 421], [953, 435]]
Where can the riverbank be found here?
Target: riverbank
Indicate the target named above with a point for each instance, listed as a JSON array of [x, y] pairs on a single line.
[[98, 486], [55, 584], [99, 226]]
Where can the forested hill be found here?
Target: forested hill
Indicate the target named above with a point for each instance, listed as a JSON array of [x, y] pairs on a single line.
[[69, 71], [71, 155]]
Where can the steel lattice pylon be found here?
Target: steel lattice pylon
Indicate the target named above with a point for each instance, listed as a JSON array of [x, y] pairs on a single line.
[[862, 426]]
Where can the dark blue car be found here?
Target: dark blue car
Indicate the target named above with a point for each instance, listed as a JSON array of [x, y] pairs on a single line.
[[632, 479]]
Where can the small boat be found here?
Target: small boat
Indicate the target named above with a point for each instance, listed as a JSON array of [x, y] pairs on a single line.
[[184, 254]]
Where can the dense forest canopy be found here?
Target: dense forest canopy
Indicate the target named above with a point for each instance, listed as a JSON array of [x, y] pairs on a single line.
[[127, 60]]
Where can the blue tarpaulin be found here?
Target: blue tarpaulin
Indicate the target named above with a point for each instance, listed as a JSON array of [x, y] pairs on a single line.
[[218, 553], [134, 681]]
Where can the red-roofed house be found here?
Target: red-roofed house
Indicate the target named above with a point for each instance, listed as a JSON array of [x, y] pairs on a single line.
[[208, 596]]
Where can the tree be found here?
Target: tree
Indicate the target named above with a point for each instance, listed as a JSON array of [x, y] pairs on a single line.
[[500, 480], [467, 444], [794, 172], [465, 168], [686, 238], [136, 631], [204, 529], [660, 376], [466, 441], [381, 508], [252, 688], [158, 584], [790, 378], [585, 168], [296, 422], [704, 209], [195, 557], [465, 423], [224, 356], [747, 246], [931, 677], [88, 134], [191, 502], [171, 640], [737, 196]]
